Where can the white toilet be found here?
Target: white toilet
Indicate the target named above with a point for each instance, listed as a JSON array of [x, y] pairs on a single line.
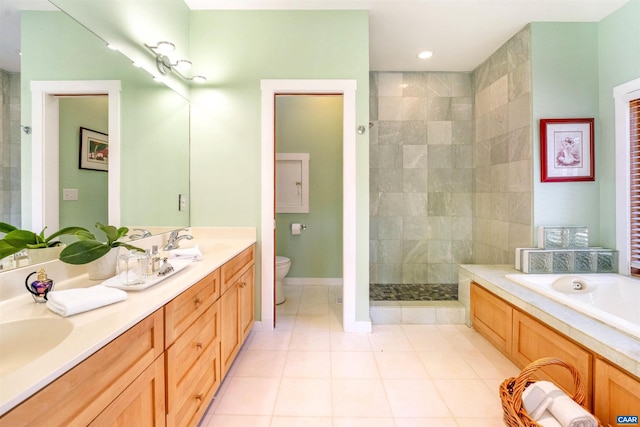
[[282, 268]]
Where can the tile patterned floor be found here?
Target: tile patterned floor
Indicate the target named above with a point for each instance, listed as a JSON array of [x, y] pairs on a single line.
[[413, 292], [308, 373]]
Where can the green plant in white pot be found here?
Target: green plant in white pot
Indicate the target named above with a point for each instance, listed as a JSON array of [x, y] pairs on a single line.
[[16, 240], [102, 256]]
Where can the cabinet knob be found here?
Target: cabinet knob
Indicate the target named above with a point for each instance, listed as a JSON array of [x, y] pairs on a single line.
[[199, 345], [243, 284], [197, 302], [199, 397]]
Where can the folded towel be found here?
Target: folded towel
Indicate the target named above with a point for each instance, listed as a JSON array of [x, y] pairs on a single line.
[[72, 301], [564, 409], [187, 253], [547, 420], [535, 400]]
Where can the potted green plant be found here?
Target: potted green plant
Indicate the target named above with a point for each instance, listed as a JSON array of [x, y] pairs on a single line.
[[16, 240], [101, 256]]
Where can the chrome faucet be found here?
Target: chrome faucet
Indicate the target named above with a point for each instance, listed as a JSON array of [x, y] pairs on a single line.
[[174, 239], [144, 233]]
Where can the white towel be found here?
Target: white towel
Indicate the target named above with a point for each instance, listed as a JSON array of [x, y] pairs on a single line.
[[72, 301], [547, 420], [187, 253], [535, 401], [564, 409]]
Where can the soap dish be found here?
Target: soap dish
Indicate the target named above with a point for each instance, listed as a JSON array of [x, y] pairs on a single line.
[[178, 265]]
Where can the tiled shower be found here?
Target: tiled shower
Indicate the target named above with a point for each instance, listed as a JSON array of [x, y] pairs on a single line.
[[10, 148], [450, 169]]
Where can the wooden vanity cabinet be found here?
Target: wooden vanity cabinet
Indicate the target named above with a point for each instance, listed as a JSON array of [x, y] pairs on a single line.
[[192, 355], [492, 317], [236, 305], [618, 393], [127, 366]]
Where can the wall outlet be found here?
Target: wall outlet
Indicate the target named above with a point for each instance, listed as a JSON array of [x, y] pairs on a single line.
[[182, 202], [69, 194]]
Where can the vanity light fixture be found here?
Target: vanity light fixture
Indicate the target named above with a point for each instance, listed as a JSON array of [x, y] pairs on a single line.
[[166, 66], [425, 54]]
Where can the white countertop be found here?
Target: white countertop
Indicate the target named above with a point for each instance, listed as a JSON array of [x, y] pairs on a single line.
[[94, 329], [612, 344]]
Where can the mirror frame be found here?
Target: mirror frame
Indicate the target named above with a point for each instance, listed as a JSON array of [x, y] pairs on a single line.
[[45, 156]]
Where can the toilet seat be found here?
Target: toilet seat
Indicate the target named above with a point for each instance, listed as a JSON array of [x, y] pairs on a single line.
[[281, 260]]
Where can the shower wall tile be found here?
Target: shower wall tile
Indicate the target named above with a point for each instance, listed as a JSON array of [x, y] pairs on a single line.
[[483, 128], [389, 84], [499, 93], [461, 251], [421, 180], [520, 144], [498, 121], [499, 149], [415, 227], [439, 132], [520, 112], [414, 204], [414, 156], [390, 108], [388, 181], [413, 132], [520, 208], [518, 48], [519, 80]]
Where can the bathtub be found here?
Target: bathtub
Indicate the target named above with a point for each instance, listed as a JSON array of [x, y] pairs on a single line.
[[610, 298]]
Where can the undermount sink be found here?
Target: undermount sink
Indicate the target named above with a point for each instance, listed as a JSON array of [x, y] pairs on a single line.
[[573, 285], [23, 341]]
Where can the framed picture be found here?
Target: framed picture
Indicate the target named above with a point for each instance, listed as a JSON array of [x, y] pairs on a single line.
[[94, 150], [566, 150]]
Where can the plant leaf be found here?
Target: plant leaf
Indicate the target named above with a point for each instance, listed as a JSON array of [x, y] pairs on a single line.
[[21, 238], [110, 231], [128, 246], [65, 231], [6, 249], [85, 235], [6, 228], [83, 252]]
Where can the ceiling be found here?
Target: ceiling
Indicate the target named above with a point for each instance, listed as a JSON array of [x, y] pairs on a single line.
[[461, 33]]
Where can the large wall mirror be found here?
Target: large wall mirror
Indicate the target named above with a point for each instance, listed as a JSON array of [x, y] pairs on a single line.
[[153, 167]]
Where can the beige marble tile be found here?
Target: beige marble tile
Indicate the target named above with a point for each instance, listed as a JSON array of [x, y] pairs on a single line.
[[304, 397], [415, 398], [359, 398]]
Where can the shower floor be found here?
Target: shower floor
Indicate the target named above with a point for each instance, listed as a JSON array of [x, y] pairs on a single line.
[[413, 292]]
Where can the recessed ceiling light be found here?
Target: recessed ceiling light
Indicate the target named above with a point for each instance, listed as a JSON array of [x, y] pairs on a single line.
[[425, 54]]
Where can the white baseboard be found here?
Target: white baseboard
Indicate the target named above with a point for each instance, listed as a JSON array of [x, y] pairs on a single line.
[[306, 281]]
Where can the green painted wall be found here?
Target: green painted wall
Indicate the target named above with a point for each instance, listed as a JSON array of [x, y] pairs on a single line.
[[564, 78], [313, 124], [154, 119], [236, 49], [92, 204], [619, 62]]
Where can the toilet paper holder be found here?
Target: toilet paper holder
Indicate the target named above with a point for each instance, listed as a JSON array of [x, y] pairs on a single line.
[[297, 228]]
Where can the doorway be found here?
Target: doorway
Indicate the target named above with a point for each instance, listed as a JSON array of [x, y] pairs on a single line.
[[269, 90], [45, 187]]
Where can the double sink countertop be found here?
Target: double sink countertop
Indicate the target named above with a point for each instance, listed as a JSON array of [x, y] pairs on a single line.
[[93, 329]]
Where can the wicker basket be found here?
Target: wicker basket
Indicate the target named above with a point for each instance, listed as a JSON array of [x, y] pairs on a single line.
[[511, 390]]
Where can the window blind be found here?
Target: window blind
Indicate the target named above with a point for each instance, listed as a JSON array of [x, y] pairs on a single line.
[[634, 187]]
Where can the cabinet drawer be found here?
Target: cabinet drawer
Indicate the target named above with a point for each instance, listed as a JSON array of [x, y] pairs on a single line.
[[141, 404], [193, 370], [533, 340], [77, 397], [233, 269], [491, 317], [184, 309]]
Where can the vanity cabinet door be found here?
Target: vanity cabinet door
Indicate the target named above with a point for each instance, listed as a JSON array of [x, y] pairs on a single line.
[[81, 394], [193, 369], [142, 403], [230, 326], [491, 317], [617, 393], [533, 340], [246, 293], [236, 267]]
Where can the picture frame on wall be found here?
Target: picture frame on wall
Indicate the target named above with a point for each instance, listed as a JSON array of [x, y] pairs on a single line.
[[94, 150], [567, 150]]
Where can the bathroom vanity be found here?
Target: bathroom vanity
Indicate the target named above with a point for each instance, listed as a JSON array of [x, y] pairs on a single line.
[[525, 326], [161, 369]]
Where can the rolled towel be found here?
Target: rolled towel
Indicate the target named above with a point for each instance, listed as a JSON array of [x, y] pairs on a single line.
[[564, 409], [547, 420], [535, 401], [72, 301], [187, 253]]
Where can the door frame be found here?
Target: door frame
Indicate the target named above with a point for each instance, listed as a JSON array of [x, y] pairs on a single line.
[[45, 146], [346, 88]]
